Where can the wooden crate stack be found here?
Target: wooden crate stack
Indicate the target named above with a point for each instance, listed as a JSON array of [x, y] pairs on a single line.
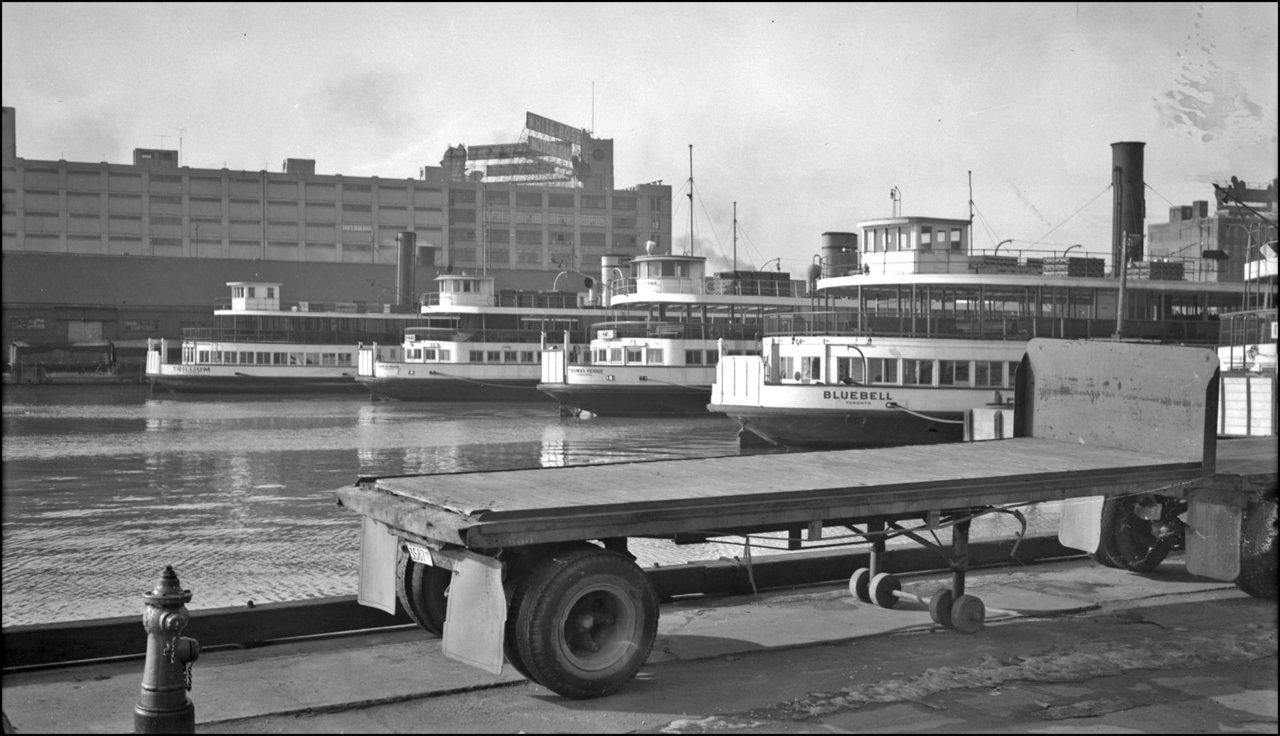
[[1071, 266]]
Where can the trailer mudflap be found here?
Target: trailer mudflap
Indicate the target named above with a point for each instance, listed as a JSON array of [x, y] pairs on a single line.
[[1080, 526], [475, 620], [1213, 535], [378, 547]]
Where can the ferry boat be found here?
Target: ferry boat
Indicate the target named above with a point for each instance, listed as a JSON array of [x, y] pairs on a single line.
[[79, 363], [260, 346], [479, 343], [938, 329], [662, 362]]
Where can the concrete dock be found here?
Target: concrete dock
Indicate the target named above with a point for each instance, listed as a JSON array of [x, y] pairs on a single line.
[[1059, 637]]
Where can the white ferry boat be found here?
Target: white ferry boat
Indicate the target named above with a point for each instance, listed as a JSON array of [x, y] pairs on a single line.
[[662, 361], [938, 329], [477, 343], [260, 346]]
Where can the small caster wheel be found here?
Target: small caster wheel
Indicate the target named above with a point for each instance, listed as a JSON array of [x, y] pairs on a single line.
[[883, 588], [940, 607], [968, 614], [859, 584]]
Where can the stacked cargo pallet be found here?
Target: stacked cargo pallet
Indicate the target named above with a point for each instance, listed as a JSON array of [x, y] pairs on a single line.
[[1157, 270], [1076, 267]]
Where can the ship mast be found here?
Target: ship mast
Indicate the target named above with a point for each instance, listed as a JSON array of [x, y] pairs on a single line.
[[689, 249]]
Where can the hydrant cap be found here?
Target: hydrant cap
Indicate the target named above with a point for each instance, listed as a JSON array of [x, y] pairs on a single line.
[[168, 590]]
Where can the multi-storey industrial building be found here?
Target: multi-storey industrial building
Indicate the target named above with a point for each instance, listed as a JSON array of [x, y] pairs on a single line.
[[123, 252], [1232, 235]]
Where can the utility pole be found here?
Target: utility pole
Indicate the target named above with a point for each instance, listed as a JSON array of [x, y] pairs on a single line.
[[180, 132]]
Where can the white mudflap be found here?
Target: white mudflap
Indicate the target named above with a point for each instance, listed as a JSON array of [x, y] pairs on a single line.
[[1213, 540], [377, 588], [475, 620], [1080, 526]]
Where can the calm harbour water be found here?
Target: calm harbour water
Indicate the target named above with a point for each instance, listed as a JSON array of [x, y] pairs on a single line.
[[104, 486]]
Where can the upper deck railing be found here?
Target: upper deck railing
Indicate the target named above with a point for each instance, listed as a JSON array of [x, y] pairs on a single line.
[[977, 327], [679, 330]]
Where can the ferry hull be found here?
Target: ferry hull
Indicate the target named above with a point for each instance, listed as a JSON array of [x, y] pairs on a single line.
[[246, 384], [632, 401], [843, 429], [444, 388]]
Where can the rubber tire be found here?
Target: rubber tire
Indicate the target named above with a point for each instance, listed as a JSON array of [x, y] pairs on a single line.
[[599, 660], [968, 614], [940, 607], [404, 564], [882, 589], [859, 583], [1127, 542], [426, 590], [516, 586], [1258, 550]]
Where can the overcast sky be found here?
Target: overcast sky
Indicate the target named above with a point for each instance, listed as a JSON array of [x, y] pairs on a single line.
[[805, 114]]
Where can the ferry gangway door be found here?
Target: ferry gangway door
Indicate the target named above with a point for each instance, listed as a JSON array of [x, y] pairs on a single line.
[[543, 580]]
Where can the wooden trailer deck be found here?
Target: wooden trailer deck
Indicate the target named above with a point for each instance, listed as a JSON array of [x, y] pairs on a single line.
[[762, 492]]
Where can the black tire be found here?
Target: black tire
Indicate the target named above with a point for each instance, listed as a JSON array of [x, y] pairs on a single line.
[[404, 564], [429, 592], [588, 619], [1129, 542], [1258, 550]]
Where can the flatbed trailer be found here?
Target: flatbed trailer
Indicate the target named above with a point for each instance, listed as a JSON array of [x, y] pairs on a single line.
[[532, 567]]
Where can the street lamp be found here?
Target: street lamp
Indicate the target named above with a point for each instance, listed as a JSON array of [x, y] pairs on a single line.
[[1068, 250], [1002, 242], [771, 260]]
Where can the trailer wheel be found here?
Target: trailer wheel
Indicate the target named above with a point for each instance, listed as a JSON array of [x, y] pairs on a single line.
[[427, 590], [968, 614], [516, 585], [1129, 542], [587, 621], [940, 607], [883, 587], [1258, 550], [859, 584], [421, 591]]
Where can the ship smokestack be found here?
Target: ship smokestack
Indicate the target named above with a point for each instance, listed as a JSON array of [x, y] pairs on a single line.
[[405, 247], [1130, 208]]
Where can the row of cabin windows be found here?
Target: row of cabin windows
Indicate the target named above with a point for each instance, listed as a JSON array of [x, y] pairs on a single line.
[[649, 356], [241, 292], [255, 357], [444, 355], [903, 372]]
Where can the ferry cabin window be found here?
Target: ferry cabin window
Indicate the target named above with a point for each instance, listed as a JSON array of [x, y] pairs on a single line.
[[883, 370], [413, 354], [510, 356], [917, 372], [279, 358], [953, 373], [811, 368], [328, 359], [494, 356], [599, 355], [926, 237], [345, 360], [787, 365], [693, 357], [528, 356], [713, 357], [477, 356], [313, 358], [849, 370], [653, 356], [615, 355], [988, 374], [633, 355]]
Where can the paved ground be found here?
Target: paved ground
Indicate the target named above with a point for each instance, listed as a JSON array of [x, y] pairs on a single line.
[[1069, 647]]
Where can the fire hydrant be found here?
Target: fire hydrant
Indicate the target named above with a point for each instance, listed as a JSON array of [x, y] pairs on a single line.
[[163, 706]]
